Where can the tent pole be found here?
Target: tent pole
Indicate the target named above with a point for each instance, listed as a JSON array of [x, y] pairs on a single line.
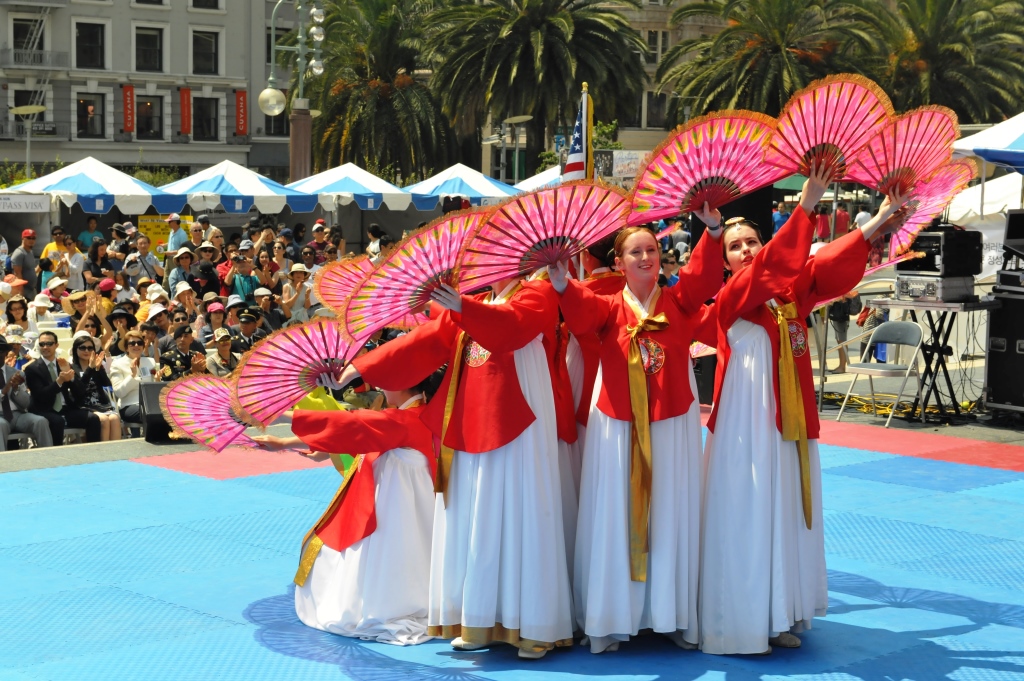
[[984, 172]]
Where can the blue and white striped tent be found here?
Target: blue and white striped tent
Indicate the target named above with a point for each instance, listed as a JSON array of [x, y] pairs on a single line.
[[1001, 145], [459, 180], [237, 189], [552, 177], [347, 183], [97, 188]]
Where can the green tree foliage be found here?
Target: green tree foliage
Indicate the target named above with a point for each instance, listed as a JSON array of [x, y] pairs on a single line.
[[375, 112], [516, 57], [606, 135]]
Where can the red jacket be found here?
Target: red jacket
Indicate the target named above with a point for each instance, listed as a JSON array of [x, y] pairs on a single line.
[[782, 271], [668, 388], [490, 410], [352, 514], [605, 283]]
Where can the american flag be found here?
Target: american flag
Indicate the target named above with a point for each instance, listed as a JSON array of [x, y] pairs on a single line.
[[580, 164]]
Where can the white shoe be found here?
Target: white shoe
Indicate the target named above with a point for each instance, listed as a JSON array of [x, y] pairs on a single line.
[[460, 644], [532, 654], [603, 644], [785, 640]]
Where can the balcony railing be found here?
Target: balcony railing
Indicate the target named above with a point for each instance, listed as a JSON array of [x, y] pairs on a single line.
[[39, 59], [42, 130]]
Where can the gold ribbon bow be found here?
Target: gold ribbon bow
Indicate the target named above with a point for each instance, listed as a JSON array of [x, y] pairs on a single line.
[[640, 438], [794, 420]]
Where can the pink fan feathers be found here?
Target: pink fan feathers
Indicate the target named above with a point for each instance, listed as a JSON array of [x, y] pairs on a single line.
[[284, 367], [929, 199], [334, 283], [713, 159], [908, 149], [403, 282], [199, 407], [538, 229], [826, 123]]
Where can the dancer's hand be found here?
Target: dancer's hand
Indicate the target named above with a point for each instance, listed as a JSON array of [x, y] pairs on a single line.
[[274, 443], [710, 217], [447, 297], [814, 187], [890, 217], [559, 276], [329, 381]]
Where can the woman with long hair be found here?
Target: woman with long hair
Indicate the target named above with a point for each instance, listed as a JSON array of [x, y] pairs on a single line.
[[266, 270], [215, 318], [88, 366], [17, 314], [97, 265], [638, 533], [296, 294], [762, 576], [72, 265], [279, 252]]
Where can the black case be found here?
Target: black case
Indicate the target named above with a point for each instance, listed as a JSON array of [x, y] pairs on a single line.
[[949, 252], [1004, 361], [154, 427]]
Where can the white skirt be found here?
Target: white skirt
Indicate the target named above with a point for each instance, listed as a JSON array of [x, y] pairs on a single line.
[[377, 588], [498, 559], [762, 570], [608, 603]]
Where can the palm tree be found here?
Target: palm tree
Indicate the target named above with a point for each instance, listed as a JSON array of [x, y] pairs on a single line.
[[514, 57], [376, 113], [963, 54], [765, 51]]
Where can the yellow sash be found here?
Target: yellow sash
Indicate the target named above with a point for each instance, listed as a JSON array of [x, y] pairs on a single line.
[[794, 420], [640, 438]]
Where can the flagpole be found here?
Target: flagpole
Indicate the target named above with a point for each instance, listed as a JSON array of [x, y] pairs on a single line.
[[589, 122]]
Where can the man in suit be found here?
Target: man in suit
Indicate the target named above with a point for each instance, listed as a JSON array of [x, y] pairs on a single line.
[[15, 396], [54, 392]]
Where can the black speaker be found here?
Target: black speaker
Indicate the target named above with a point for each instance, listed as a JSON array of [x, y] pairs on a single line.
[[154, 427], [704, 372], [1004, 363]]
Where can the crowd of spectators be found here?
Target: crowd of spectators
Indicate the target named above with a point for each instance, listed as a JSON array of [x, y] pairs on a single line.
[[87, 318]]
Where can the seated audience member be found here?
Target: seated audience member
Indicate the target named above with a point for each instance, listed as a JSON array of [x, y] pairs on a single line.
[[221, 360], [129, 371], [51, 385], [179, 317], [183, 267], [39, 309], [274, 314], [180, 360], [151, 334], [214, 317], [158, 316], [93, 396], [15, 397], [204, 279], [122, 321], [246, 334]]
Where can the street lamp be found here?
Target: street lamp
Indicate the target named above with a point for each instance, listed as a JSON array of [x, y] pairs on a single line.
[[30, 111], [272, 101], [513, 121]]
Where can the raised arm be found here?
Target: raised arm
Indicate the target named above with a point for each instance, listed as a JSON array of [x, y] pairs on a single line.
[[360, 431], [584, 311], [511, 325], [407, 360], [702, 277]]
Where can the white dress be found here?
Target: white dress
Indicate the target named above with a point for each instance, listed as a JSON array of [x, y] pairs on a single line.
[[609, 605], [498, 558], [377, 588], [762, 570], [570, 456]]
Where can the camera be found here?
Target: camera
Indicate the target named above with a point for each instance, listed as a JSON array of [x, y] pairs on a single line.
[[237, 258]]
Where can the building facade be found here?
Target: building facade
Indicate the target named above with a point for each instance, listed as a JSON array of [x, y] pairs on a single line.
[[142, 83]]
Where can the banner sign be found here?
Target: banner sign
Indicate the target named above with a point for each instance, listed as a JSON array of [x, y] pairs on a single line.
[[128, 93], [28, 203], [626, 163], [158, 231], [241, 113], [185, 96]]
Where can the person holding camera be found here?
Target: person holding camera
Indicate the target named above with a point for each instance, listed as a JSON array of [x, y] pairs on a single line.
[[275, 313], [240, 280]]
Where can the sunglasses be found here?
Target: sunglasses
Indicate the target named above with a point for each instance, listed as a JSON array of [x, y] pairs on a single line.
[[180, 320], [670, 262], [278, 247], [89, 326], [136, 344], [86, 348], [46, 344], [196, 231], [224, 341], [332, 252]]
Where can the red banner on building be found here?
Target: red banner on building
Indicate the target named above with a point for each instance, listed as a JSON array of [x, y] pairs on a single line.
[[128, 93], [241, 113], [185, 96]]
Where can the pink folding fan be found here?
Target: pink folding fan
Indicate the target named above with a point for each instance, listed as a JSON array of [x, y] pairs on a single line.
[[538, 229], [929, 199], [335, 282], [713, 159], [907, 150], [199, 407], [826, 123], [401, 285], [283, 368]]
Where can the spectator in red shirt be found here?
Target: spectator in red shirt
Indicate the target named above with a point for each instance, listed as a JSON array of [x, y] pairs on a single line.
[[842, 219]]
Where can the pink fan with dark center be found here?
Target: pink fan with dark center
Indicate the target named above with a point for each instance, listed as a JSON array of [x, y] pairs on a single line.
[[540, 229], [907, 150], [334, 283], [713, 159], [928, 200], [826, 123], [402, 283], [199, 407], [284, 367]]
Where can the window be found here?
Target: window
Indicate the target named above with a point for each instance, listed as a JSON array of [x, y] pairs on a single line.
[[25, 36], [632, 120], [656, 110], [272, 38], [149, 2], [90, 112], [149, 118], [149, 49], [205, 53], [206, 4], [657, 46], [277, 126], [24, 98], [90, 46], [204, 119]]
